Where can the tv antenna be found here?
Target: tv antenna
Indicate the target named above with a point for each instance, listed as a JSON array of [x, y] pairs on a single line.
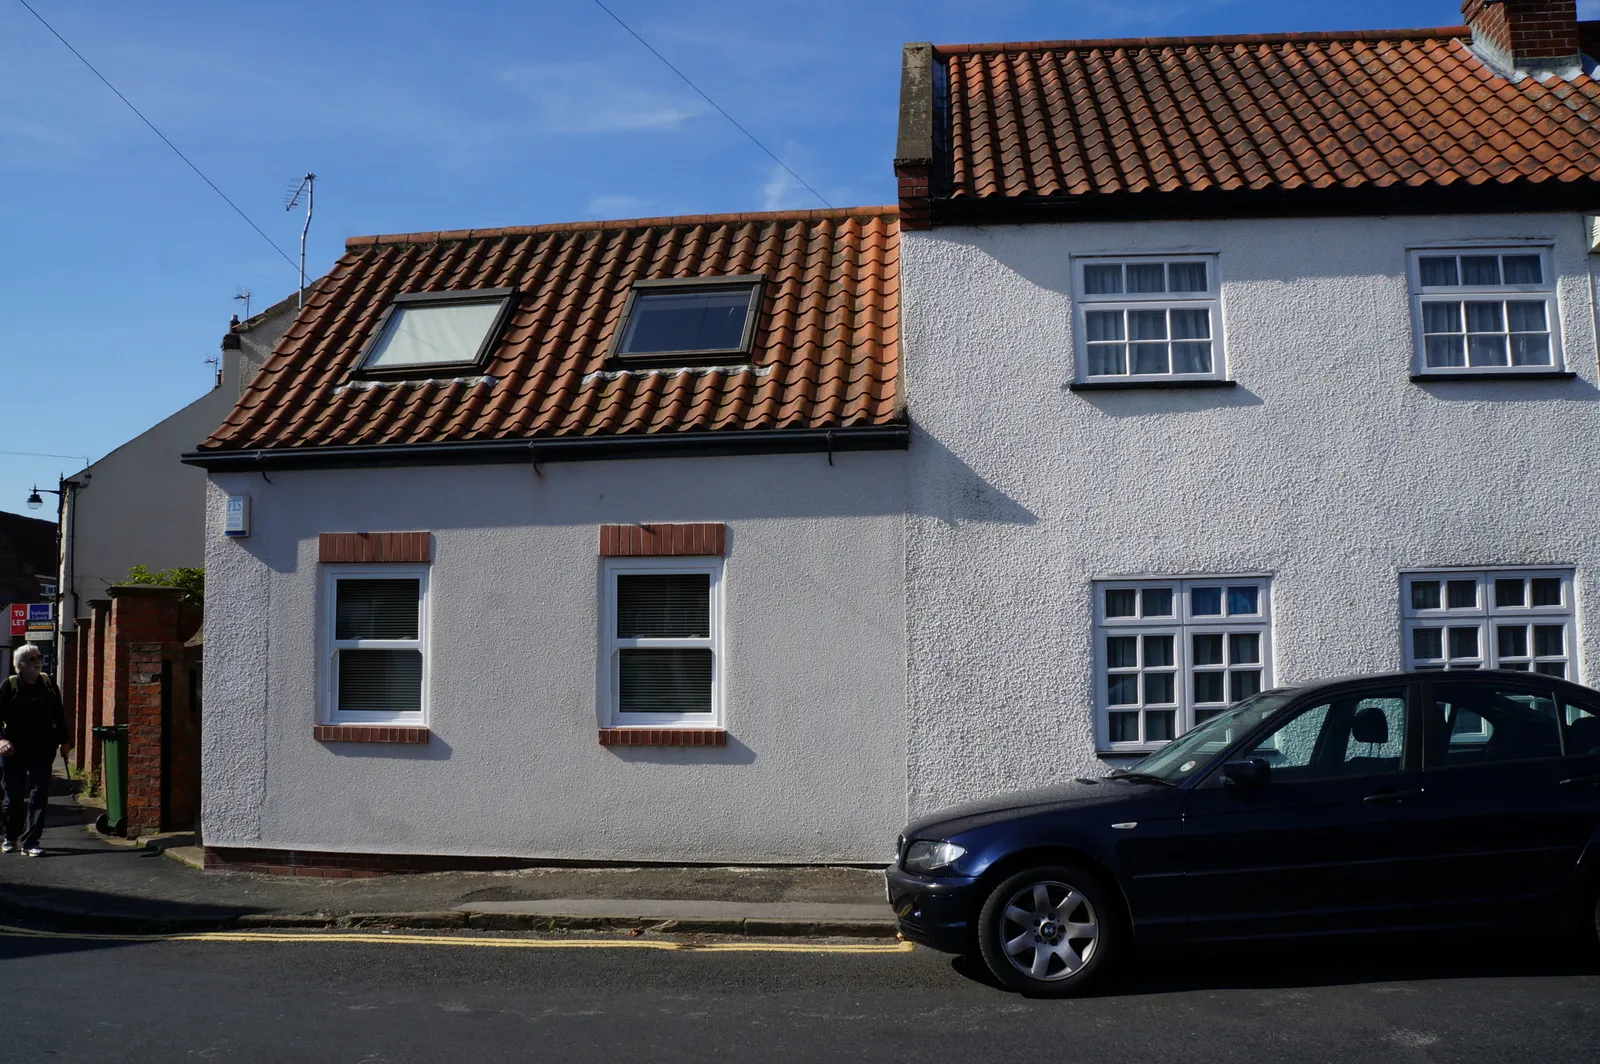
[[308, 186], [244, 297]]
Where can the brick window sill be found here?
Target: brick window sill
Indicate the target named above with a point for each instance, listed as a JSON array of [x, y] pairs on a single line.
[[362, 733], [663, 737]]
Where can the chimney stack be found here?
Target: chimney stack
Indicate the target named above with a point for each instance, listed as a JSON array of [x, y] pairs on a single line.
[[1537, 38]]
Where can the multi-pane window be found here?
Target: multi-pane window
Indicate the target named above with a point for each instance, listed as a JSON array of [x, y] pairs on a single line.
[[1489, 310], [1170, 654], [1498, 619], [1148, 319], [663, 642], [376, 639]]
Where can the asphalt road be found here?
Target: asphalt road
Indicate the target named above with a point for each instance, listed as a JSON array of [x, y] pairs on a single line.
[[377, 1002]]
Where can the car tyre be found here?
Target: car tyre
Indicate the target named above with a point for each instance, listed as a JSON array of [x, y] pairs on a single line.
[[1050, 930]]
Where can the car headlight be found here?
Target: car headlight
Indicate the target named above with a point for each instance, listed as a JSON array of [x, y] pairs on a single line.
[[926, 856]]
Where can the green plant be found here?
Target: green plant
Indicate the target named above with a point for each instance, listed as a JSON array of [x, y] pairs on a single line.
[[192, 580]]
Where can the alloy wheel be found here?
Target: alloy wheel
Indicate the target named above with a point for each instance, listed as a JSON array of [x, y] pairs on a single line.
[[1049, 931]]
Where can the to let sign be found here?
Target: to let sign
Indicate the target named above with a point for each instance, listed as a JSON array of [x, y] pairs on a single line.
[[19, 619]]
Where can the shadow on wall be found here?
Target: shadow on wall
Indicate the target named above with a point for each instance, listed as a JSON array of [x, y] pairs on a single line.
[[1143, 402], [735, 753], [435, 749], [954, 493]]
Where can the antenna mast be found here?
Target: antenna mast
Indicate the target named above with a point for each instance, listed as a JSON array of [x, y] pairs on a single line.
[[308, 186], [244, 297]]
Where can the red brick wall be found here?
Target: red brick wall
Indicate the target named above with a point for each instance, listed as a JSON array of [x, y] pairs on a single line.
[[67, 681], [916, 201], [94, 676], [373, 547], [144, 737], [1526, 29]]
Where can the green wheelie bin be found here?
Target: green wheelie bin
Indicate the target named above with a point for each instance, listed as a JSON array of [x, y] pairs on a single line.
[[114, 774]]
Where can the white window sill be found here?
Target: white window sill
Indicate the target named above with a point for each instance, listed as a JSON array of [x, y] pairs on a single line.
[[1543, 374]]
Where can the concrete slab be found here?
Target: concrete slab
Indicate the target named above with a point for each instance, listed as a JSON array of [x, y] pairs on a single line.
[[662, 909]]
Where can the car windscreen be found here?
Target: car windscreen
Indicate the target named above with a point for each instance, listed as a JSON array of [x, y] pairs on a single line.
[[1195, 748]]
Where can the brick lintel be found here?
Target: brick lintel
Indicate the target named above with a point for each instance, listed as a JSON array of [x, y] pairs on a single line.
[[663, 737], [364, 733]]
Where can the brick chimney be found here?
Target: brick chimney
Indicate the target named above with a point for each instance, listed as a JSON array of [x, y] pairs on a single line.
[[1526, 37]]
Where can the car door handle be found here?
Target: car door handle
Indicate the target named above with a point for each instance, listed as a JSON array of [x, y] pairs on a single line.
[[1583, 779], [1389, 797]]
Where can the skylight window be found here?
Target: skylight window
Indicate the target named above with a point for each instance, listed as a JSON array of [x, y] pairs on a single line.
[[424, 331], [690, 319]]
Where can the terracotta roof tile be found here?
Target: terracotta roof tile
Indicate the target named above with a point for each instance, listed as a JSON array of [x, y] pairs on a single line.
[[1369, 108], [826, 344]]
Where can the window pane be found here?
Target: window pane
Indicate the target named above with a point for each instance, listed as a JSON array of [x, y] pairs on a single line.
[[1424, 594], [1485, 317], [1156, 601], [1508, 592], [1244, 600], [1158, 726], [1160, 688], [380, 681], [1150, 358], [1146, 277], [1288, 750], [1192, 324], [1463, 594], [1186, 277], [1104, 324], [424, 335], [1487, 351], [1438, 270], [1244, 648], [1549, 640], [1122, 652], [669, 321], [1512, 640], [1463, 642], [1445, 351], [1157, 651], [665, 681], [1203, 715], [1530, 349], [1377, 736], [664, 606], [1121, 602], [1427, 643], [1108, 360], [1546, 592], [1205, 601], [1147, 324], [1208, 649], [1514, 666], [1526, 315], [1489, 724], [376, 609], [1208, 687], [1122, 690], [1551, 668], [1480, 269], [1191, 358], [1102, 279], [1523, 269], [1441, 317], [1124, 727], [1243, 684]]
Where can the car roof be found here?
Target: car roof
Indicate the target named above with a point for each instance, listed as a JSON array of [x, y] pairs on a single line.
[[1411, 674]]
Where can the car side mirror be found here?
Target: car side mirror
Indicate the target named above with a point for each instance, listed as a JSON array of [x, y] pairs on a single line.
[[1248, 774]]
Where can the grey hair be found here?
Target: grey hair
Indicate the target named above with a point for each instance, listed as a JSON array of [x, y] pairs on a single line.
[[23, 649]]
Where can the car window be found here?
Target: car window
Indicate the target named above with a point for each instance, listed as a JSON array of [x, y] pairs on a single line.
[[1581, 727], [1482, 722], [1360, 734]]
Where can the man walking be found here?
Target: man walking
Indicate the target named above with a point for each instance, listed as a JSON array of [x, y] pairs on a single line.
[[32, 727]]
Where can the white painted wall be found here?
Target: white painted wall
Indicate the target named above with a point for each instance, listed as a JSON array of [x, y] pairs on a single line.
[[815, 625], [1326, 466]]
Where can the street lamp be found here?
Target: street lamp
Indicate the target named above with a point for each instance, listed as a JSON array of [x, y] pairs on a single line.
[[35, 501]]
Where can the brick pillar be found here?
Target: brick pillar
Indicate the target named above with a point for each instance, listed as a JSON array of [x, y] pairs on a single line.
[[94, 676], [67, 680], [143, 620], [82, 644]]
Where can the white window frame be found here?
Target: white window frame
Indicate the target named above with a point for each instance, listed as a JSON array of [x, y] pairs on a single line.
[[1461, 293], [331, 576], [1183, 624], [610, 645], [1487, 617], [1083, 303]]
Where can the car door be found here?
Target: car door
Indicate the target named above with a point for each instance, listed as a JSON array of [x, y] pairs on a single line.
[[1500, 833], [1316, 848]]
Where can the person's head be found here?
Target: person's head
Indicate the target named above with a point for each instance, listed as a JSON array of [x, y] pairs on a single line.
[[29, 660]]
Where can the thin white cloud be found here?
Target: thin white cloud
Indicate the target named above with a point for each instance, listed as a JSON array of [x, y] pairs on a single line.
[[588, 98]]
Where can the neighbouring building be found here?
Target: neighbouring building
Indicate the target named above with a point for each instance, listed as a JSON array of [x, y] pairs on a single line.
[[566, 542], [27, 573], [1241, 361]]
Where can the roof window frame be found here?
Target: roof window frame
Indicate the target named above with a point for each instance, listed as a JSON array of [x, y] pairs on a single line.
[[416, 300], [740, 355]]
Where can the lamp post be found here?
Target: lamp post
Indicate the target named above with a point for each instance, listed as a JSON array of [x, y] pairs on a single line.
[[65, 491]]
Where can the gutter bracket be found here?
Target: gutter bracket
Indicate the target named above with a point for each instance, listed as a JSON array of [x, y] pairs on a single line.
[[829, 437], [533, 456], [261, 466]]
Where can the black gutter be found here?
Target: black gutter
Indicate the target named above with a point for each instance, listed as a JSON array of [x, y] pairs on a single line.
[[538, 451]]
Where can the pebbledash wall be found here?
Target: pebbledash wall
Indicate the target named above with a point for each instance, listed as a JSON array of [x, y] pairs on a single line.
[[1326, 466], [814, 766]]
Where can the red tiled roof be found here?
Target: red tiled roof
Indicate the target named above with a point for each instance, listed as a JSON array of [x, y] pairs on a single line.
[[1369, 109], [825, 353]]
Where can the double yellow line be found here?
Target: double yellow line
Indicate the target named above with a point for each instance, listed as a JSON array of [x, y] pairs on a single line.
[[389, 938]]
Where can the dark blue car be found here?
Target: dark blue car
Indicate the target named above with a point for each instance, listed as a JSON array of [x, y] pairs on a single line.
[[1407, 802]]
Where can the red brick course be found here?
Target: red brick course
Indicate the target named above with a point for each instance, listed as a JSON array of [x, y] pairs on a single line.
[[663, 737], [1527, 29], [362, 733], [374, 547], [659, 541]]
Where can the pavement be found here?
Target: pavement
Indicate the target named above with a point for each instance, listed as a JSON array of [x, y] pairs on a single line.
[[88, 882]]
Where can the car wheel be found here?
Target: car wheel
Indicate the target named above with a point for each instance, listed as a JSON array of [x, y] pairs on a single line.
[[1049, 931]]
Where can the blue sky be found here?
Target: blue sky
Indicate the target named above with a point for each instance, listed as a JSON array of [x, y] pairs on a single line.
[[122, 266]]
